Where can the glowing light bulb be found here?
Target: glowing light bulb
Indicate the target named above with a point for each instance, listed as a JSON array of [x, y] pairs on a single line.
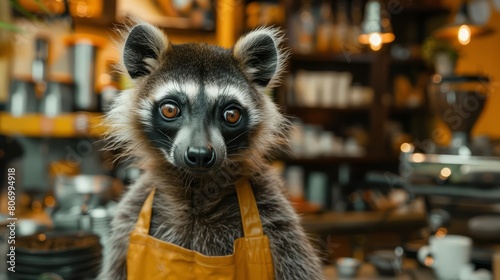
[[464, 34], [445, 172], [406, 147], [375, 41]]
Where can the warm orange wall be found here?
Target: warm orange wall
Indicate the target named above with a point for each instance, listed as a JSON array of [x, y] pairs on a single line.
[[482, 56]]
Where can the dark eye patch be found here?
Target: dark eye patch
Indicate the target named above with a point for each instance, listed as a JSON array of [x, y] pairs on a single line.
[[161, 133], [235, 135]]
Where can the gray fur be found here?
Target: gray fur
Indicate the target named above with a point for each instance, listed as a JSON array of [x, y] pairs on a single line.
[[201, 213]]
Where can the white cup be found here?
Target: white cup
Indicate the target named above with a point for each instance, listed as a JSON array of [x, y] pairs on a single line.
[[329, 97], [325, 142], [448, 253], [307, 88], [344, 80]]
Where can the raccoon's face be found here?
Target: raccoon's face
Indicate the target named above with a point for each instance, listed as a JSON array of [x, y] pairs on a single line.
[[196, 107]]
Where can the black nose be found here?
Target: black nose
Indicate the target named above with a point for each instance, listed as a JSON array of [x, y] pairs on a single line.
[[199, 157]]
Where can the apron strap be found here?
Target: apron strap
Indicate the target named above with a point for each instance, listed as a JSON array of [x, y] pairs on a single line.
[[144, 220], [250, 216]]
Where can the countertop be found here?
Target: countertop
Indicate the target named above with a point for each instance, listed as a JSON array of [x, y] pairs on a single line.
[[410, 215], [368, 272]]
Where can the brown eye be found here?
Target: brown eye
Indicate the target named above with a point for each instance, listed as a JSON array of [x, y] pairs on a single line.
[[170, 111], [232, 116]]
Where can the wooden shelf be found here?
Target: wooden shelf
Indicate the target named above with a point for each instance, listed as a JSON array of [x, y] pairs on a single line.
[[324, 160], [177, 24], [333, 57], [300, 111], [426, 10], [321, 115], [408, 61], [408, 110], [154, 14], [359, 58], [76, 124]]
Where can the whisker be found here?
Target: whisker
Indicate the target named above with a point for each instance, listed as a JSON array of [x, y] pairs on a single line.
[[239, 135]]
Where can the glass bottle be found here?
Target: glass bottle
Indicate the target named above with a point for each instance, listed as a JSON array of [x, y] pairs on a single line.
[[306, 27], [325, 28]]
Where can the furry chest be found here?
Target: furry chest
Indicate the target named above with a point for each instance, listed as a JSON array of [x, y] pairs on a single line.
[[211, 234]]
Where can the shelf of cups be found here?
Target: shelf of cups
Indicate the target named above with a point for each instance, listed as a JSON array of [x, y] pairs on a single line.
[[78, 124]]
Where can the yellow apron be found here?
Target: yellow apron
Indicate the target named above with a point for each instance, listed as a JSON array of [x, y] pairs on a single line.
[[149, 258]]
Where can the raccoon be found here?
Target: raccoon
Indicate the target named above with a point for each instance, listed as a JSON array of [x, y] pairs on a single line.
[[196, 121]]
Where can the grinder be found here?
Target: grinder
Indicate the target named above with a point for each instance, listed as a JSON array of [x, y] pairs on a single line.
[[459, 101]]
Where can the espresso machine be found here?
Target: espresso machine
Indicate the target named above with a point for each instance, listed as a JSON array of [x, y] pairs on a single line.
[[460, 183], [458, 101]]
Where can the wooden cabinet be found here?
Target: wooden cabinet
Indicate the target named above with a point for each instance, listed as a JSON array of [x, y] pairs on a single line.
[[382, 70]]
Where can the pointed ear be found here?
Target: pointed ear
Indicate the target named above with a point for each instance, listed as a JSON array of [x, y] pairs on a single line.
[[143, 49], [260, 56]]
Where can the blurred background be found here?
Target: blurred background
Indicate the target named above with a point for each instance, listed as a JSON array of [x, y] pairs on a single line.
[[395, 105]]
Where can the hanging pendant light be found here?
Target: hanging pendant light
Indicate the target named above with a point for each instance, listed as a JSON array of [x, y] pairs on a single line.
[[376, 29], [462, 28]]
